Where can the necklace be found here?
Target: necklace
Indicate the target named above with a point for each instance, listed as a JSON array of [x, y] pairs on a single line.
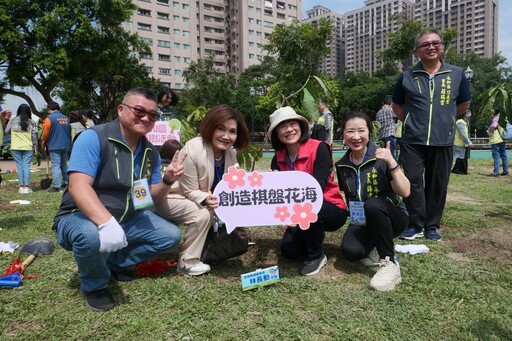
[[220, 158]]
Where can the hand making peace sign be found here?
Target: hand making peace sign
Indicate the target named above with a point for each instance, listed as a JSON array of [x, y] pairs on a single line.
[[174, 170]]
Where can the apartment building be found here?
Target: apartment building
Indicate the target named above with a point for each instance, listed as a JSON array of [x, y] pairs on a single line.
[[182, 31], [476, 21], [334, 63], [366, 29]]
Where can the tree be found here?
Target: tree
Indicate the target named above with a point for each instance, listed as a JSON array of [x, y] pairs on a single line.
[[209, 87], [45, 42]]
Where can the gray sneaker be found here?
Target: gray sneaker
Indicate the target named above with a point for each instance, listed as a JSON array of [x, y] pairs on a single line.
[[373, 258], [311, 267]]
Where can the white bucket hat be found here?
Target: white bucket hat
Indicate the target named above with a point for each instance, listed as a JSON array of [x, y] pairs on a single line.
[[286, 114]]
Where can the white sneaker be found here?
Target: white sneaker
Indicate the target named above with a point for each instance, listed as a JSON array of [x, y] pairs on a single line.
[[28, 190], [373, 258], [387, 277], [22, 190], [196, 270]]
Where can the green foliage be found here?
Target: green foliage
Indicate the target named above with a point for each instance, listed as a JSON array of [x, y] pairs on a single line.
[[498, 96], [209, 86], [45, 42]]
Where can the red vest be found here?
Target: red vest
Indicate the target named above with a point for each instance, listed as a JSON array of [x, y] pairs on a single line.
[[305, 162]]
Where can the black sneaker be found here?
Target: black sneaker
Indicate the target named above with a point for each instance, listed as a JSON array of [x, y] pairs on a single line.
[[54, 189], [122, 276], [98, 300], [311, 267], [504, 173]]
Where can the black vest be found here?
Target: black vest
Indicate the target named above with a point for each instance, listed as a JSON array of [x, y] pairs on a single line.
[[115, 176]]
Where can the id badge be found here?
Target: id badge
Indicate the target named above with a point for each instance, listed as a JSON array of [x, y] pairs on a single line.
[[357, 216], [141, 196]]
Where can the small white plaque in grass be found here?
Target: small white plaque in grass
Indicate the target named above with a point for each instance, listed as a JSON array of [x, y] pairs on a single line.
[[260, 278]]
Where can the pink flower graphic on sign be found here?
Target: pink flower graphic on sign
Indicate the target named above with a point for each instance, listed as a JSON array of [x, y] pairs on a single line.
[[255, 179], [234, 177], [282, 213], [303, 215]]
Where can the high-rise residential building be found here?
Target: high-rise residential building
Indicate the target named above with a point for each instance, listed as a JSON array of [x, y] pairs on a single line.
[[366, 29], [475, 20], [334, 63], [182, 31]]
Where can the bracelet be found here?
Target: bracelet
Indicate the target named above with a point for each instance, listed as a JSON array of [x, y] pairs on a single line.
[[167, 182], [392, 170]]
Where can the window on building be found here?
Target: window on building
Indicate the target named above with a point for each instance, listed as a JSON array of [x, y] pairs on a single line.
[[251, 32], [177, 72], [163, 2], [149, 69], [177, 45], [251, 55], [176, 31], [145, 55], [177, 85], [143, 11], [144, 27], [175, 4], [186, 20], [251, 44], [268, 24], [164, 57], [162, 29], [164, 71], [187, 60], [164, 43], [163, 16], [175, 18], [186, 46], [186, 6], [177, 59], [186, 33], [148, 41]]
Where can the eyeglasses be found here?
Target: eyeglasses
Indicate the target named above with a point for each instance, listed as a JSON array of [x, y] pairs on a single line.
[[140, 113], [434, 44]]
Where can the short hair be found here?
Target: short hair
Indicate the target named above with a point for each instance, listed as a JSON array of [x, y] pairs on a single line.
[[76, 116], [357, 114], [388, 99], [52, 105], [218, 115], [496, 111], [168, 91], [324, 101], [278, 145], [169, 148], [146, 93], [422, 33]]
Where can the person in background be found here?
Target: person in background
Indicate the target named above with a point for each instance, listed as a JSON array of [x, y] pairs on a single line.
[[208, 157], [327, 120], [77, 123], [57, 138], [167, 98], [23, 145], [498, 146], [87, 116], [5, 115], [295, 150], [386, 117], [371, 176], [105, 216], [427, 99], [461, 144], [398, 137]]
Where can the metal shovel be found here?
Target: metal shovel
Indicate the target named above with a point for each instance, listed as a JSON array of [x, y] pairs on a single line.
[[35, 247]]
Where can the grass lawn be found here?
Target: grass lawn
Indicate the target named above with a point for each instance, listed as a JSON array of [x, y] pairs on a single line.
[[461, 290]]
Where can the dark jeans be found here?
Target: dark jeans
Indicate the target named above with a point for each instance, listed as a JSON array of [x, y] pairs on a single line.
[[384, 221], [428, 170], [297, 242]]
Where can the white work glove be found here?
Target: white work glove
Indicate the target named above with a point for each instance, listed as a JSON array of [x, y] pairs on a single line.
[[112, 237]]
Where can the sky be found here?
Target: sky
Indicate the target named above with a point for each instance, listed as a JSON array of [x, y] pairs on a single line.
[[504, 31], [338, 6]]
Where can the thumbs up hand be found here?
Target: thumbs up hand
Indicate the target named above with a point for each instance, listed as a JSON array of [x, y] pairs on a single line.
[[385, 155]]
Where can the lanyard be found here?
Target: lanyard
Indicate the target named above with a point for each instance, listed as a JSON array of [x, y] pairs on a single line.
[[219, 169], [357, 172], [289, 161]]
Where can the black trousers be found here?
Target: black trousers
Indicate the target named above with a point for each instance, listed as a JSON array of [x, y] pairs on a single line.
[[428, 170], [384, 221], [461, 165], [297, 243]]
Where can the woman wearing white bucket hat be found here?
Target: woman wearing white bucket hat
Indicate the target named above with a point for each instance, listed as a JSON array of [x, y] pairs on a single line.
[[296, 151]]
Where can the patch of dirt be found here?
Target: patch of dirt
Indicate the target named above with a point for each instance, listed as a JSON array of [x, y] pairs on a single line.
[[493, 245], [458, 198]]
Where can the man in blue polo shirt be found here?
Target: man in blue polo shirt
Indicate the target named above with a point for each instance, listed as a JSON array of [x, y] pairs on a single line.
[[427, 98], [114, 177]]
